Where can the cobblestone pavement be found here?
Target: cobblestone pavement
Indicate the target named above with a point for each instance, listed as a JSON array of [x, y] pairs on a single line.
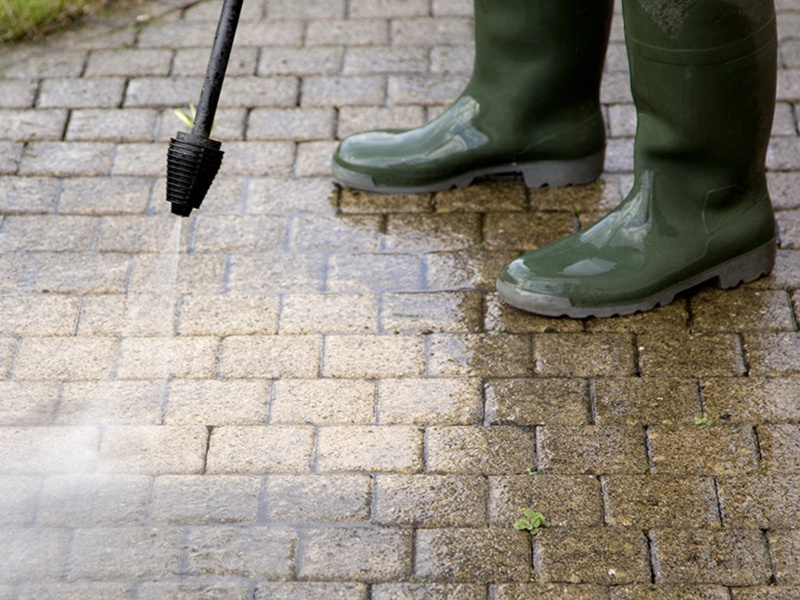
[[305, 393]]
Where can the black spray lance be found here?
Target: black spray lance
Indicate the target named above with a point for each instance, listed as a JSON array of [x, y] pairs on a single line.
[[193, 159]]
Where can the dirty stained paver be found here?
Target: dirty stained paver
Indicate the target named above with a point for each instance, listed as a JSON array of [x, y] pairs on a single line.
[[308, 393]]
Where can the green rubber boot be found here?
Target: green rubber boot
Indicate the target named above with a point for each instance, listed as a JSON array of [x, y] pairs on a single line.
[[703, 76], [532, 107]]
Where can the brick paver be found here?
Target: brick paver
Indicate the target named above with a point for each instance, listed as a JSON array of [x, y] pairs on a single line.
[[309, 393]]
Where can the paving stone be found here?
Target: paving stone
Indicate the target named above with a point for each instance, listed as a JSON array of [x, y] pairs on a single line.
[[703, 450], [290, 124], [323, 401], [190, 62], [702, 556], [388, 448], [276, 272], [39, 315], [672, 592], [420, 31], [645, 400], [229, 314], [74, 590], [741, 310], [594, 450], [106, 402], [565, 501], [27, 125], [142, 315], [175, 34], [8, 349], [153, 450], [751, 399], [300, 61], [648, 501], [28, 195], [29, 450], [690, 355], [305, 9], [432, 591], [128, 62], [92, 92], [329, 313], [545, 591], [424, 90], [502, 355], [67, 159], [773, 354], [89, 195], [196, 587], [763, 502], [229, 233], [31, 554], [205, 499], [165, 357], [93, 500], [195, 274], [354, 90], [449, 59], [490, 196], [430, 401], [274, 195], [271, 357], [67, 359], [10, 157], [526, 231], [581, 355], [780, 189], [453, 555], [354, 201], [314, 158], [501, 317], [607, 555], [47, 233], [112, 125], [345, 232], [430, 500], [169, 92], [785, 550], [309, 499], [138, 159], [372, 555], [527, 402], [378, 272], [81, 273], [436, 311], [265, 449], [366, 61], [19, 502], [495, 450], [126, 553], [268, 32], [354, 119], [373, 356], [451, 231], [18, 93], [297, 590], [780, 447], [666, 318], [765, 593], [238, 551], [348, 32], [213, 403]]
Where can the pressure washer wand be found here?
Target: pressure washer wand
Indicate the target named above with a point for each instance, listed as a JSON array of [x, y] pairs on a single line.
[[193, 159]]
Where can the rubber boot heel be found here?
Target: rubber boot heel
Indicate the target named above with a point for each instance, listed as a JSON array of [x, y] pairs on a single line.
[[748, 267], [558, 173]]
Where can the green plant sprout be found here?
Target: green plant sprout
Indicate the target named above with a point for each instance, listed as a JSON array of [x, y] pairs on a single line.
[[532, 523], [703, 421], [187, 118]]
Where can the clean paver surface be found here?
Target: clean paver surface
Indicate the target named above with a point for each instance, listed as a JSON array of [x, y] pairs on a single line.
[[303, 392]]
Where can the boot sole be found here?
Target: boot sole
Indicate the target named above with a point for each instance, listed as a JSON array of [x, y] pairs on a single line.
[[742, 269], [553, 173]]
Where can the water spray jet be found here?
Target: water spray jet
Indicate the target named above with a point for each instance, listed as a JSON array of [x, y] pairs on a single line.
[[193, 158]]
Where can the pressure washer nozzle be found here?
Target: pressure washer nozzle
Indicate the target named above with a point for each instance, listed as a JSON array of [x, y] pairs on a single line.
[[192, 164]]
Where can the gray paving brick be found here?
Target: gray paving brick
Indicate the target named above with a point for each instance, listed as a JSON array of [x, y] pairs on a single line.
[[19, 503], [426, 312], [493, 450], [350, 32], [300, 590], [300, 61], [31, 450], [68, 63], [581, 355], [276, 272], [703, 450], [780, 448], [290, 124], [229, 233], [527, 402], [28, 403], [323, 401], [773, 354], [563, 449], [152, 450], [377, 448], [361, 90], [204, 499], [265, 449], [673, 592], [65, 358], [268, 32], [645, 400], [751, 399], [81, 93], [452, 59], [128, 62], [372, 554], [190, 62], [785, 550], [81, 273], [47, 233], [732, 557], [93, 500], [425, 91], [8, 348], [316, 499], [604, 555], [38, 315], [28, 195], [67, 159], [353, 119], [229, 314], [502, 355], [368, 61], [420, 31], [504, 318], [10, 157], [763, 502], [430, 500], [211, 402], [90, 195], [565, 501], [138, 552], [18, 93], [274, 357], [30, 554], [25, 125], [112, 125], [329, 313], [765, 593], [192, 587], [142, 315], [430, 401], [273, 195], [431, 591], [690, 354], [74, 590], [314, 159], [164, 357], [118, 402], [472, 554], [372, 356], [243, 552]]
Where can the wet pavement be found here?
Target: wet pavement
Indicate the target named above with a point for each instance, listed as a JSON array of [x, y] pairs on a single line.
[[308, 393]]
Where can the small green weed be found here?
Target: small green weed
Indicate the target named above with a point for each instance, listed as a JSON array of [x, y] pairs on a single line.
[[703, 421], [532, 522]]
